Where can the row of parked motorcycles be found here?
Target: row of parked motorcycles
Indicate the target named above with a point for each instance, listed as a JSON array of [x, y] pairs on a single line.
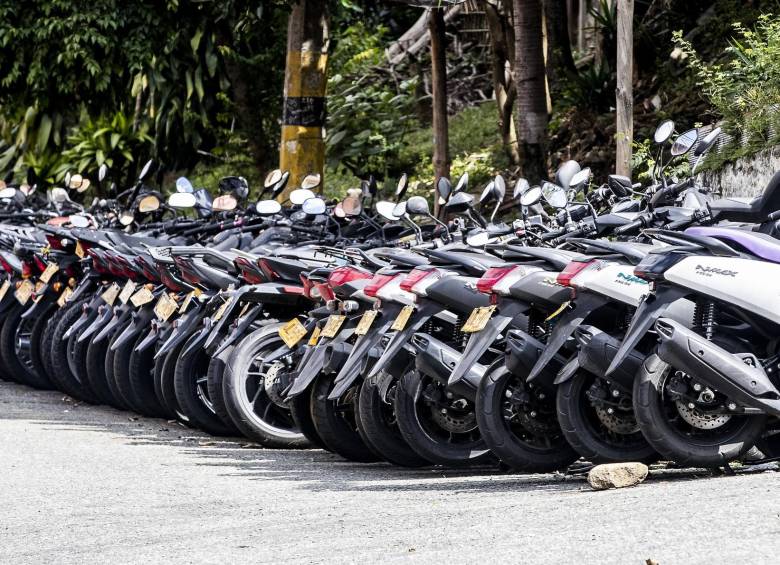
[[611, 323]]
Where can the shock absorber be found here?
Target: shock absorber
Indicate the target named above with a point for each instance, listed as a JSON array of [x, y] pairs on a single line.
[[705, 317]]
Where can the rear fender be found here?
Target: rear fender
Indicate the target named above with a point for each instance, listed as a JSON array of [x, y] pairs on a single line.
[[524, 352], [200, 339], [478, 343], [141, 320], [86, 285], [182, 329], [313, 361], [44, 299], [243, 325], [119, 317], [437, 359], [88, 313], [564, 327], [105, 313], [151, 338]]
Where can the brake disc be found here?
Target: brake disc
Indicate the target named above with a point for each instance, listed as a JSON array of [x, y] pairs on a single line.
[[455, 422], [273, 383], [701, 420], [617, 422]]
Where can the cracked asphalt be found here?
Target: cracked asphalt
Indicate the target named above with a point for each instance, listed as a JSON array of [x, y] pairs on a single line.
[[87, 484]]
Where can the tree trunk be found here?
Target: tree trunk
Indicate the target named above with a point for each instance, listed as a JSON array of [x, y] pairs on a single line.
[[441, 151], [530, 84], [501, 46], [303, 148], [559, 58], [624, 92]]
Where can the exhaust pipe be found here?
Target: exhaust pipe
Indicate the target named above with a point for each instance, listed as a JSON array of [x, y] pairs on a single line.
[[716, 367], [596, 351], [437, 359]]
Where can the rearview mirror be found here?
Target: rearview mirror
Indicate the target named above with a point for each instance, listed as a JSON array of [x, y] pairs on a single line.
[[148, 204], [10, 192], [554, 195], [145, 170], [59, 195], [566, 172], [272, 178], [75, 181], [463, 183], [268, 207], [400, 209], [183, 184], [580, 179], [417, 206], [126, 218], [487, 192], [684, 142], [444, 187], [708, 141], [311, 181], [83, 186], [521, 187], [663, 132], [300, 195], [531, 196], [102, 172], [314, 206], [224, 203], [79, 221], [181, 200], [403, 184], [459, 202], [351, 206], [385, 209]]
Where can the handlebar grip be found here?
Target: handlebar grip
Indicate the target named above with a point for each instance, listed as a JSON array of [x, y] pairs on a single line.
[[630, 227], [679, 224], [552, 235], [774, 216]]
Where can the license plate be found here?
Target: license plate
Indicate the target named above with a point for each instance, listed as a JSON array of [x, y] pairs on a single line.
[[127, 292], [48, 273], [64, 297], [478, 319], [333, 325], [402, 319], [24, 292], [292, 332], [222, 309], [165, 307], [110, 294], [4, 288], [143, 296], [315, 336], [80, 250], [365, 322]]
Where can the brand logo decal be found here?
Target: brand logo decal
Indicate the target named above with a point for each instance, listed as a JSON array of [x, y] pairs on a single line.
[[625, 278], [709, 271]]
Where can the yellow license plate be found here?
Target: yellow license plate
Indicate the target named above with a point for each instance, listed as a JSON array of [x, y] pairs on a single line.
[[4, 288], [80, 250], [48, 273], [110, 294], [478, 319], [315, 336], [402, 319], [64, 297], [365, 322], [222, 309], [333, 325], [165, 307], [292, 332], [127, 292], [24, 292], [143, 296]]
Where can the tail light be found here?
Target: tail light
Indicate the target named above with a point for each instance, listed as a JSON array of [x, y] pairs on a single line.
[[573, 269], [498, 280], [6, 266], [54, 241], [39, 263], [249, 271], [27, 270], [376, 284], [654, 265], [419, 280], [343, 275], [267, 269]]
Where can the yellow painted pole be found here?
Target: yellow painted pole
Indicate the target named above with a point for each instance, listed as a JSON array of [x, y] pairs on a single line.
[[302, 149]]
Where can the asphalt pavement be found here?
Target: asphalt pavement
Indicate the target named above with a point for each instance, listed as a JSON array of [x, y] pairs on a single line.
[[86, 484]]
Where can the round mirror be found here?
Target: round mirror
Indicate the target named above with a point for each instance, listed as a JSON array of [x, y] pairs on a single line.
[[487, 192], [444, 187], [531, 196], [300, 195], [59, 195], [234, 185], [684, 142], [314, 206], [664, 131], [311, 181], [183, 184], [478, 239], [463, 183], [203, 198], [565, 172], [338, 211], [148, 204], [403, 184], [75, 181], [79, 221], [499, 188], [554, 195], [707, 142], [400, 209], [66, 180], [102, 171], [417, 206], [182, 200], [281, 183], [272, 178], [27, 190], [580, 179], [460, 202], [126, 218], [268, 207], [351, 206], [83, 186], [521, 187], [10, 192], [224, 203], [145, 170], [385, 209]]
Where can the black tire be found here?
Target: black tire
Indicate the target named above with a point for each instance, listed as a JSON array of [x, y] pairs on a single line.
[[191, 389], [141, 374], [597, 435], [5, 374], [257, 411], [380, 427], [120, 373], [46, 344], [300, 410], [15, 338], [77, 362], [95, 363], [37, 351], [214, 376], [427, 436], [336, 421], [61, 372], [533, 441], [667, 433], [165, 387], [108, 369]]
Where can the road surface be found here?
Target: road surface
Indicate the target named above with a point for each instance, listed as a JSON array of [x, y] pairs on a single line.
[[85, 484]]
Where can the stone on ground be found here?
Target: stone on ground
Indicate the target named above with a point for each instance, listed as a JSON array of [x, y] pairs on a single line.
[[617, 475]]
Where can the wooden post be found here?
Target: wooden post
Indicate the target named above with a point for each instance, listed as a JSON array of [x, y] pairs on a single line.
[[302, 150], [441, 149], [624, 135]]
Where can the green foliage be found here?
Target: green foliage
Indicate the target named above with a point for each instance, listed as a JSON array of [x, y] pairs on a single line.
[[744, 88], [643, 161], [368, 115], [231, 156], [591, 86]]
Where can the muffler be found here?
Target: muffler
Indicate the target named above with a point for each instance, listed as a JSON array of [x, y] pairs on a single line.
[[437, 360], [596, 351], [522, 353], [726, 372]]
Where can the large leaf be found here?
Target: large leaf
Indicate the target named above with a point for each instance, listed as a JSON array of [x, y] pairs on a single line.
[[44, 131]]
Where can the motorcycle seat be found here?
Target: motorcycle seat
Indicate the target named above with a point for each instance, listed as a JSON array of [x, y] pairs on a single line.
[[759, 244]]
